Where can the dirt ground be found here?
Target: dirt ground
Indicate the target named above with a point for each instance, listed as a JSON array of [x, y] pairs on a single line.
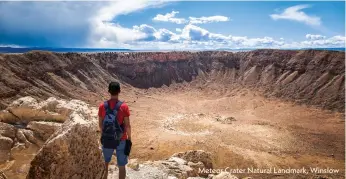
[[240, 127]]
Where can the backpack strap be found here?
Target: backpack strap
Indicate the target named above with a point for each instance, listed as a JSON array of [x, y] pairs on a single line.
[[117, 106], [116, 109], [107, 107]]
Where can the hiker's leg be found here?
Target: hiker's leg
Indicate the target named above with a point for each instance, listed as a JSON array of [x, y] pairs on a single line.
[[122, 172], [121, 159], [107, 155]]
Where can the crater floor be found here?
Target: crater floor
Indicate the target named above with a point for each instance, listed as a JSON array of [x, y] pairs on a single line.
[[239, 126]]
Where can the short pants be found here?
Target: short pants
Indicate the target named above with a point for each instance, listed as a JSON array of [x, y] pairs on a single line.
[[121, 157]]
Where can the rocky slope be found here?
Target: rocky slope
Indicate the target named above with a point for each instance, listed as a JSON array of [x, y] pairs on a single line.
[[72, 150], [306, 76]]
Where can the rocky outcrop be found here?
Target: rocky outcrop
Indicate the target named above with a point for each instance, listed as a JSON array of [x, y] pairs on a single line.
[[196, 156], [73, 150], [43, 129], [69, 150], [7, 136], [313, 77], [2, 175], [184, 165]]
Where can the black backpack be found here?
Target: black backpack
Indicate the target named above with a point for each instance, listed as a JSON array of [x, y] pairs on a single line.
[[112, 131]]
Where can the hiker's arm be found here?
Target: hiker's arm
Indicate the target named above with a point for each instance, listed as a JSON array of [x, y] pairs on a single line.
[[100, 123], [128, 127]]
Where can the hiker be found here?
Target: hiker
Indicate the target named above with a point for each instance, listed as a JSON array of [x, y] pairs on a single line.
[[114, 124]]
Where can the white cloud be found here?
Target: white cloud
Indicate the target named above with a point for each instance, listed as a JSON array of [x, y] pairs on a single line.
[[151, 34], [195, 34], [164, 35], [295, 13], [147, 31], [192, 32], [335, 41], [194, 37], [315, 37], [210, 19], [170, 17], [104, 30], [97, 22]]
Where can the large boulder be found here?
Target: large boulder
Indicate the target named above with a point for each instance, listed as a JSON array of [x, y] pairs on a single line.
[[5, 148], [26, 101], [197, 156], [71, 152], [43, 129], [7, 135], [7, 130]]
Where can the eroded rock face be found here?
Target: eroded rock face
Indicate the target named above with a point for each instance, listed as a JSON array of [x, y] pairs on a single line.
[[43, 129], [7, 136], [5, 148], [69, 150], [2, 175], [294, 75], [72, 151]]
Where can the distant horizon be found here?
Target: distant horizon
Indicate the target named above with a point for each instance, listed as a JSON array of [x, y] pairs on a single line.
[[77, 50]]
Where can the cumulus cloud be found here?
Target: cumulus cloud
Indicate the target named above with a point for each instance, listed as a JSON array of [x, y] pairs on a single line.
[[170, 17], [164, 35], [103, 29], [210, 19], [192, 32], [315, 37], [195, 34], [94, 24], [151, 34], [146, 31], [335, 41], [295, 13]]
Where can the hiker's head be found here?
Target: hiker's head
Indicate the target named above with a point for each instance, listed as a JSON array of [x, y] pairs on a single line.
[[114, 88]]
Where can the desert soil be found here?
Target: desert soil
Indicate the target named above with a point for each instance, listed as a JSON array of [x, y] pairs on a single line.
[[240, 127]]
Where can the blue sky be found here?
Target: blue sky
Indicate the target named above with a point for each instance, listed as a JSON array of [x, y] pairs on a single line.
[[140, 24]]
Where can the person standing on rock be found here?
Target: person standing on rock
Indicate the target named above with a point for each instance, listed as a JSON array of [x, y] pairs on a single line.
[[114, 123]]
